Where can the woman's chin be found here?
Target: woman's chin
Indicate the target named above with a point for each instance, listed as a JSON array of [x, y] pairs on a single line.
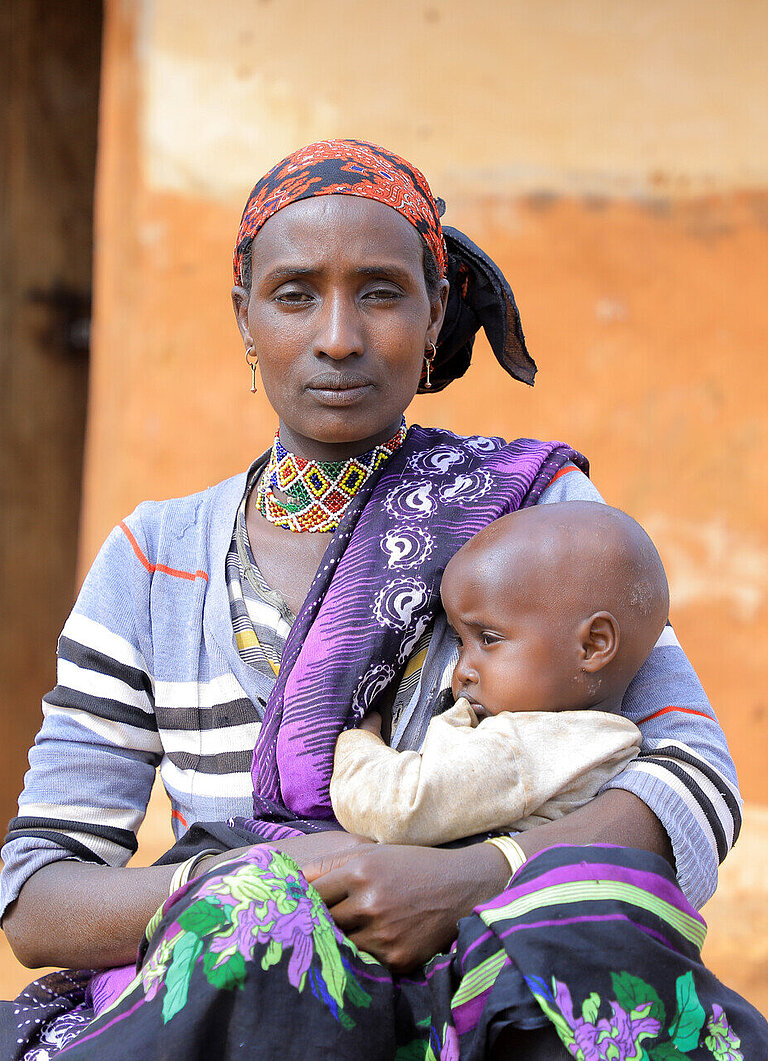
[[338, 431]]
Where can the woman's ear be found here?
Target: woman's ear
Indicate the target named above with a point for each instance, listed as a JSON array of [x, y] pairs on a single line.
[[437, 312], [599, 637], [240, 300]]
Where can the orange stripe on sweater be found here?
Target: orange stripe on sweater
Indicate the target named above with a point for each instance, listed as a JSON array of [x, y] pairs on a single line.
[[158, 567], [563, 471], [683, 710], [179, 817]]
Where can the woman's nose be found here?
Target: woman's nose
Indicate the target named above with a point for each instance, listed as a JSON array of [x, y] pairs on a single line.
[[339, 334]]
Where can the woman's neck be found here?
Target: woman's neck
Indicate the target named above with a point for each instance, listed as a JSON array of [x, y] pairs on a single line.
[[321, 450]]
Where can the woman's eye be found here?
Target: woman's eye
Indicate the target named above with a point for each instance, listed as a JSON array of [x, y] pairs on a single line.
[[293, 298], [383, 294], [487, 638]]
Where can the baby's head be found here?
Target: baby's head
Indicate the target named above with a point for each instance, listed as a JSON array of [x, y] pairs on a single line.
[[555, 608]]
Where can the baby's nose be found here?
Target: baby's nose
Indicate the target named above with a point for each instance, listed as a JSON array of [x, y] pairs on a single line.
[[465, 673]]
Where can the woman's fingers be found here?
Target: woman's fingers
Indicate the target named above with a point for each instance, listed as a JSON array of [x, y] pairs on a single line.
[[317, 846], [319, 869], [402, 904]]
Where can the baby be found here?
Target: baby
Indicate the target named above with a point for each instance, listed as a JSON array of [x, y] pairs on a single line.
[[555, 608]]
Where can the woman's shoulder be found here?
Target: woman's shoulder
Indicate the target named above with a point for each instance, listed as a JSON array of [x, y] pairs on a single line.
[[183, 526], [570, 484], [189, 506]]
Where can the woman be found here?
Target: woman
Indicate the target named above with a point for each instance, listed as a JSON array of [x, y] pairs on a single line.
[[278, 608]]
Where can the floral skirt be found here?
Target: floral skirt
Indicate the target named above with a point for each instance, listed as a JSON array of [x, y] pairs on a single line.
[[596, 943]]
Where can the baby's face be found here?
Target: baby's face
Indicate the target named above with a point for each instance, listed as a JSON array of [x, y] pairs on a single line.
[[514, 652]]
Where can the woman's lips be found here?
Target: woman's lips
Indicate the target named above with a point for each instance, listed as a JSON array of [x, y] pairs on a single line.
[[338, 389]]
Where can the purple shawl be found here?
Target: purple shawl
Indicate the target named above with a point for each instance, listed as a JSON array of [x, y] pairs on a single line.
[[375, 593]]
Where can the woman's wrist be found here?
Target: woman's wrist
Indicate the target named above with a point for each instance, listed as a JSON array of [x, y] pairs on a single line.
[[511, 850], [487, 871]]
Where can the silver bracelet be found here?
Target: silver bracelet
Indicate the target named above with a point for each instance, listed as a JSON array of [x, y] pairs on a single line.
[[185, 870]]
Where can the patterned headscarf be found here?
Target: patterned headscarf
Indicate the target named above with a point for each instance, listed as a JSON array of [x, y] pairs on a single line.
[[479, 294], [344, 167]]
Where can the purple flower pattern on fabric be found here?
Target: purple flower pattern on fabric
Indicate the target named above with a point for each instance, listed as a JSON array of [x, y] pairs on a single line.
[[620, 1037], [260, 901], [721, 1040], [617, 1038]]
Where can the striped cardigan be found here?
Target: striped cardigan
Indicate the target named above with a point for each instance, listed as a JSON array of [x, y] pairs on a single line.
[[149, 675]]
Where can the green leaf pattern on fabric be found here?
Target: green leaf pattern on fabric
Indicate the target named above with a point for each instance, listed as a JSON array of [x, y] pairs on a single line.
[[667, 1052], [262, 901], [685, 1029], [186, 952], [634, 1030], [631, 991]]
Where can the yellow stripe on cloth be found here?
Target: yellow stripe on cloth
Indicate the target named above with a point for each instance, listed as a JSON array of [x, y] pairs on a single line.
[[599, 890], [480, 978], [248, 639], [415, 663]]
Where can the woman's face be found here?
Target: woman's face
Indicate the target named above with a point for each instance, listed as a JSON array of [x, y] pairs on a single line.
[[340, 318]]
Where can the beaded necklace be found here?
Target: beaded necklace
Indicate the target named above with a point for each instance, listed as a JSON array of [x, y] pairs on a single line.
[[318, 492]]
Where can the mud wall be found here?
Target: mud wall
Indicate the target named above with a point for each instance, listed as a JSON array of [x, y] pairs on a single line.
[[613, 158]]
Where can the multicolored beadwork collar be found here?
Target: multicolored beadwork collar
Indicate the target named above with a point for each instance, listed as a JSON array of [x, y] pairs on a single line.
[[318, 491]]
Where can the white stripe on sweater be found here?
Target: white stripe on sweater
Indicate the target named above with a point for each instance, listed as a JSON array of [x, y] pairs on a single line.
[[103, 686], [119, 734], [85, 631], [184, 786], [674, 782], [212, 693], [114, 817], [212, 741]]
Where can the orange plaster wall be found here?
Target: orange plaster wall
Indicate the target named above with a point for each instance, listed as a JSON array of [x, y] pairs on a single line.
[[648, 319]]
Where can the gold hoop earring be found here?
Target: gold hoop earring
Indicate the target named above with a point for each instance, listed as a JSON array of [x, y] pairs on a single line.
[[251, 353], [428, 362]]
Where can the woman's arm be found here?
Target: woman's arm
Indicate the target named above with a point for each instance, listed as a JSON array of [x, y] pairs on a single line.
[[82, 916], [91, 771], [402, 904]]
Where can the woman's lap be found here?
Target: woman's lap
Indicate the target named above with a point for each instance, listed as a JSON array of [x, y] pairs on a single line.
[[596, 943]]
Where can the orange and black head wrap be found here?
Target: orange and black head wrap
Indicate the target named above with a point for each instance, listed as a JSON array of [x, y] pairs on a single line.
[[479, 294]]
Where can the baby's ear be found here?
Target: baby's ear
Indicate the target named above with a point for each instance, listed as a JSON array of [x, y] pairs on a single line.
[[599, 641]]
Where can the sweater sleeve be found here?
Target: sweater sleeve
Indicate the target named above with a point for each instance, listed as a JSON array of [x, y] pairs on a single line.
[[93, 763], [684, 772]]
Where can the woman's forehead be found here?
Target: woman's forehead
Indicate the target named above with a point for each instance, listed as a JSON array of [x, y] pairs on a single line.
[[316, 228]]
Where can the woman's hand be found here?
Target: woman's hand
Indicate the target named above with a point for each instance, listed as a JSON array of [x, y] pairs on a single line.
[[402, 904], [309, 849]]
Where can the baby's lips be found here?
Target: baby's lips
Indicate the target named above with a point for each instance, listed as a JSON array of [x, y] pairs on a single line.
[[475, 709]]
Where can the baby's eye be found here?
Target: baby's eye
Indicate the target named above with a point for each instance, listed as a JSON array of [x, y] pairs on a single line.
[[488, 638]]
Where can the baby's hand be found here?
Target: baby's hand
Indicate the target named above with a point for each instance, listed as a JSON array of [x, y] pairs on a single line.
[[372, 723]]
